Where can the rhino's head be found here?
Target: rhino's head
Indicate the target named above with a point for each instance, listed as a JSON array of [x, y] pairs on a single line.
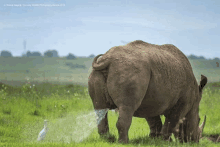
[[190, 127]]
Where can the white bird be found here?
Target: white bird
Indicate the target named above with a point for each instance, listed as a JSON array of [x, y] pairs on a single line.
[[43, 132]]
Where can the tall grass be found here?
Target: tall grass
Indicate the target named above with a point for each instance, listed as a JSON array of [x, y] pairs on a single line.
[[31, 104], [23, 109]]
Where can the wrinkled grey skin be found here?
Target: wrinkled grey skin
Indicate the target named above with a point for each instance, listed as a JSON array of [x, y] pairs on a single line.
[[146, 80]]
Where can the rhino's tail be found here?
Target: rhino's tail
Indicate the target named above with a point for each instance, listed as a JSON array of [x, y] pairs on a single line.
[[102, 63]]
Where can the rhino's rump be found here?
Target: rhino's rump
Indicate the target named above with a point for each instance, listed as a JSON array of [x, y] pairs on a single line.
[[170, 77]]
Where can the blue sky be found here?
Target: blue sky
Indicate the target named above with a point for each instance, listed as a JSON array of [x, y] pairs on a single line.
[[86, 27]]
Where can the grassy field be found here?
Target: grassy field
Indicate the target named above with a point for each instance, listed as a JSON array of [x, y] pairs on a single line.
[[16, 70], [23, 110], [55, 89], [207, 68]]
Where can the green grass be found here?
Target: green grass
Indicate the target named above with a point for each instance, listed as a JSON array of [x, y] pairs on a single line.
[[22, 113]]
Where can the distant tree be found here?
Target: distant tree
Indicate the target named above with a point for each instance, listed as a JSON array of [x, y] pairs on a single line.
[[36, 54], [91, 56], [192, 56], [71, 56], [48, 54], [55, 53], [195, 57], [216, 59], [28, 53], [201, 57], [6, 53], [51, 53]]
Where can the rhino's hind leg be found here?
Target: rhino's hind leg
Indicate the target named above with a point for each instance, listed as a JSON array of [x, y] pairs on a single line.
[[103, 128], [155, 125], [124, 123]]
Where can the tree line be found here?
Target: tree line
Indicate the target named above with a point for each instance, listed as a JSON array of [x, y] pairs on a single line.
[[201, 57], [54, 53], [48, 53]]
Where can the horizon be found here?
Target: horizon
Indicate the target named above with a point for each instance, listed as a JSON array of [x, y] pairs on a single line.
[[84, 28], [83, 56]]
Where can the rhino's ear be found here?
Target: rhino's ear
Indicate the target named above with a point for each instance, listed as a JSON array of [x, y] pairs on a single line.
[[202, 82]]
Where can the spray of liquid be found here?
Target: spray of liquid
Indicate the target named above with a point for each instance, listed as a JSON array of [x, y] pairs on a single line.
[[87, 123], [69, 128]]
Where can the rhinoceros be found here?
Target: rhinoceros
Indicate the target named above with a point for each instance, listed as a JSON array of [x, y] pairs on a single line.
[[146, 80]]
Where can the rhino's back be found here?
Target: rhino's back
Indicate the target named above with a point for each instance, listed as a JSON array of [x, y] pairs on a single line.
[[165, 60]]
